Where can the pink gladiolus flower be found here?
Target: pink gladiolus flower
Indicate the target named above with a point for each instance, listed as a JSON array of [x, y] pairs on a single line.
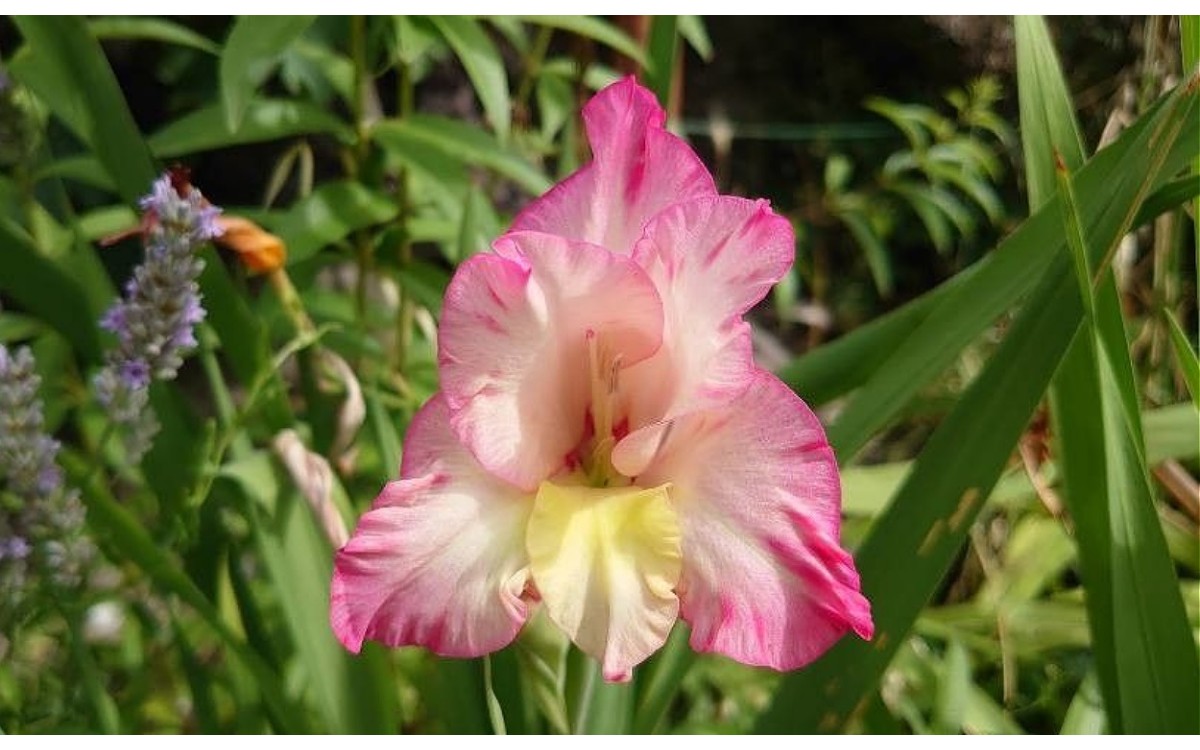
[[603, 443]]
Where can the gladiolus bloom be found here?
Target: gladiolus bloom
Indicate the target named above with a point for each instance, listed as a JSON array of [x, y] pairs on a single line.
[[603, 442]]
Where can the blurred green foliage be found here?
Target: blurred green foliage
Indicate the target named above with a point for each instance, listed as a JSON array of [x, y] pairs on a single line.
[[1018, 443]]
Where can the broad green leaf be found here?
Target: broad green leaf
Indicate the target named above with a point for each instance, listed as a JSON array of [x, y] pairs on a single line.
[[250, 53], [67, 69], [154, 29], [329, 214], [263, 120], [594, 28], [484, 67], [1045, 127], [464, 143], [1102, 459], [662, 47], [927, 521], [1156, 664]]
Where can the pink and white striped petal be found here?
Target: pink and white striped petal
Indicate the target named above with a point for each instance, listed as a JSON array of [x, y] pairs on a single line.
[[440, 559], [755, 485], [638, 169], [513, 346]]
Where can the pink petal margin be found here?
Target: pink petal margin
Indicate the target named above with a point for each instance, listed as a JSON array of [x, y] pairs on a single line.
[[765, 580], [638, 169], [439, 561]]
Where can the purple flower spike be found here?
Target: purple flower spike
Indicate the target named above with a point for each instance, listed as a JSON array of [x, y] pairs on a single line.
[[155, 321]]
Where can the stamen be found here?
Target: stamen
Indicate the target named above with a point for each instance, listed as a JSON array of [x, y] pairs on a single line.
[[604, 375]]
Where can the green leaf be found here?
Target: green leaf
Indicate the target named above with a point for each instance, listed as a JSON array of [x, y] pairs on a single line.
[[263, 120], [352, 693], [67, 69], [426, 283], [457, 693], [1168, 197], [154, 29], [112, 522], [1108, 187], [935, 221], [47, 292], [462, 142], [85, 170], [954, 689], [595, 705], [1185, 355], [1047, 117], [662, 47], [1085, 714], [594, 28], [873, 248], [479, 226], [329, 214], [1171, 432], [1189, 41], [484, 67], [660, 680], [1098, 426], [692, 29], [926, 523], [250, 54]]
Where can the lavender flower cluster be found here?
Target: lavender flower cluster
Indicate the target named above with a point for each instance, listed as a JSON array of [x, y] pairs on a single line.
[[155, 320], [41, 521]]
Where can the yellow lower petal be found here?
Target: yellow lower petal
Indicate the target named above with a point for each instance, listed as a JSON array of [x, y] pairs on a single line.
[[606, 562]]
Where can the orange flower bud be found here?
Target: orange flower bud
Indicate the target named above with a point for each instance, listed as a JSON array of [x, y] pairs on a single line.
[[259, 250]]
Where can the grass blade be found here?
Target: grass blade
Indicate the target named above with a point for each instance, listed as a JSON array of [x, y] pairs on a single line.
[[1185, 355]]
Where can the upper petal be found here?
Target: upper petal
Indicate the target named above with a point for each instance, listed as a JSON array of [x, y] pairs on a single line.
[[765, 580], [638, 169], [712, 259], [439, 561], [513, 349]]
